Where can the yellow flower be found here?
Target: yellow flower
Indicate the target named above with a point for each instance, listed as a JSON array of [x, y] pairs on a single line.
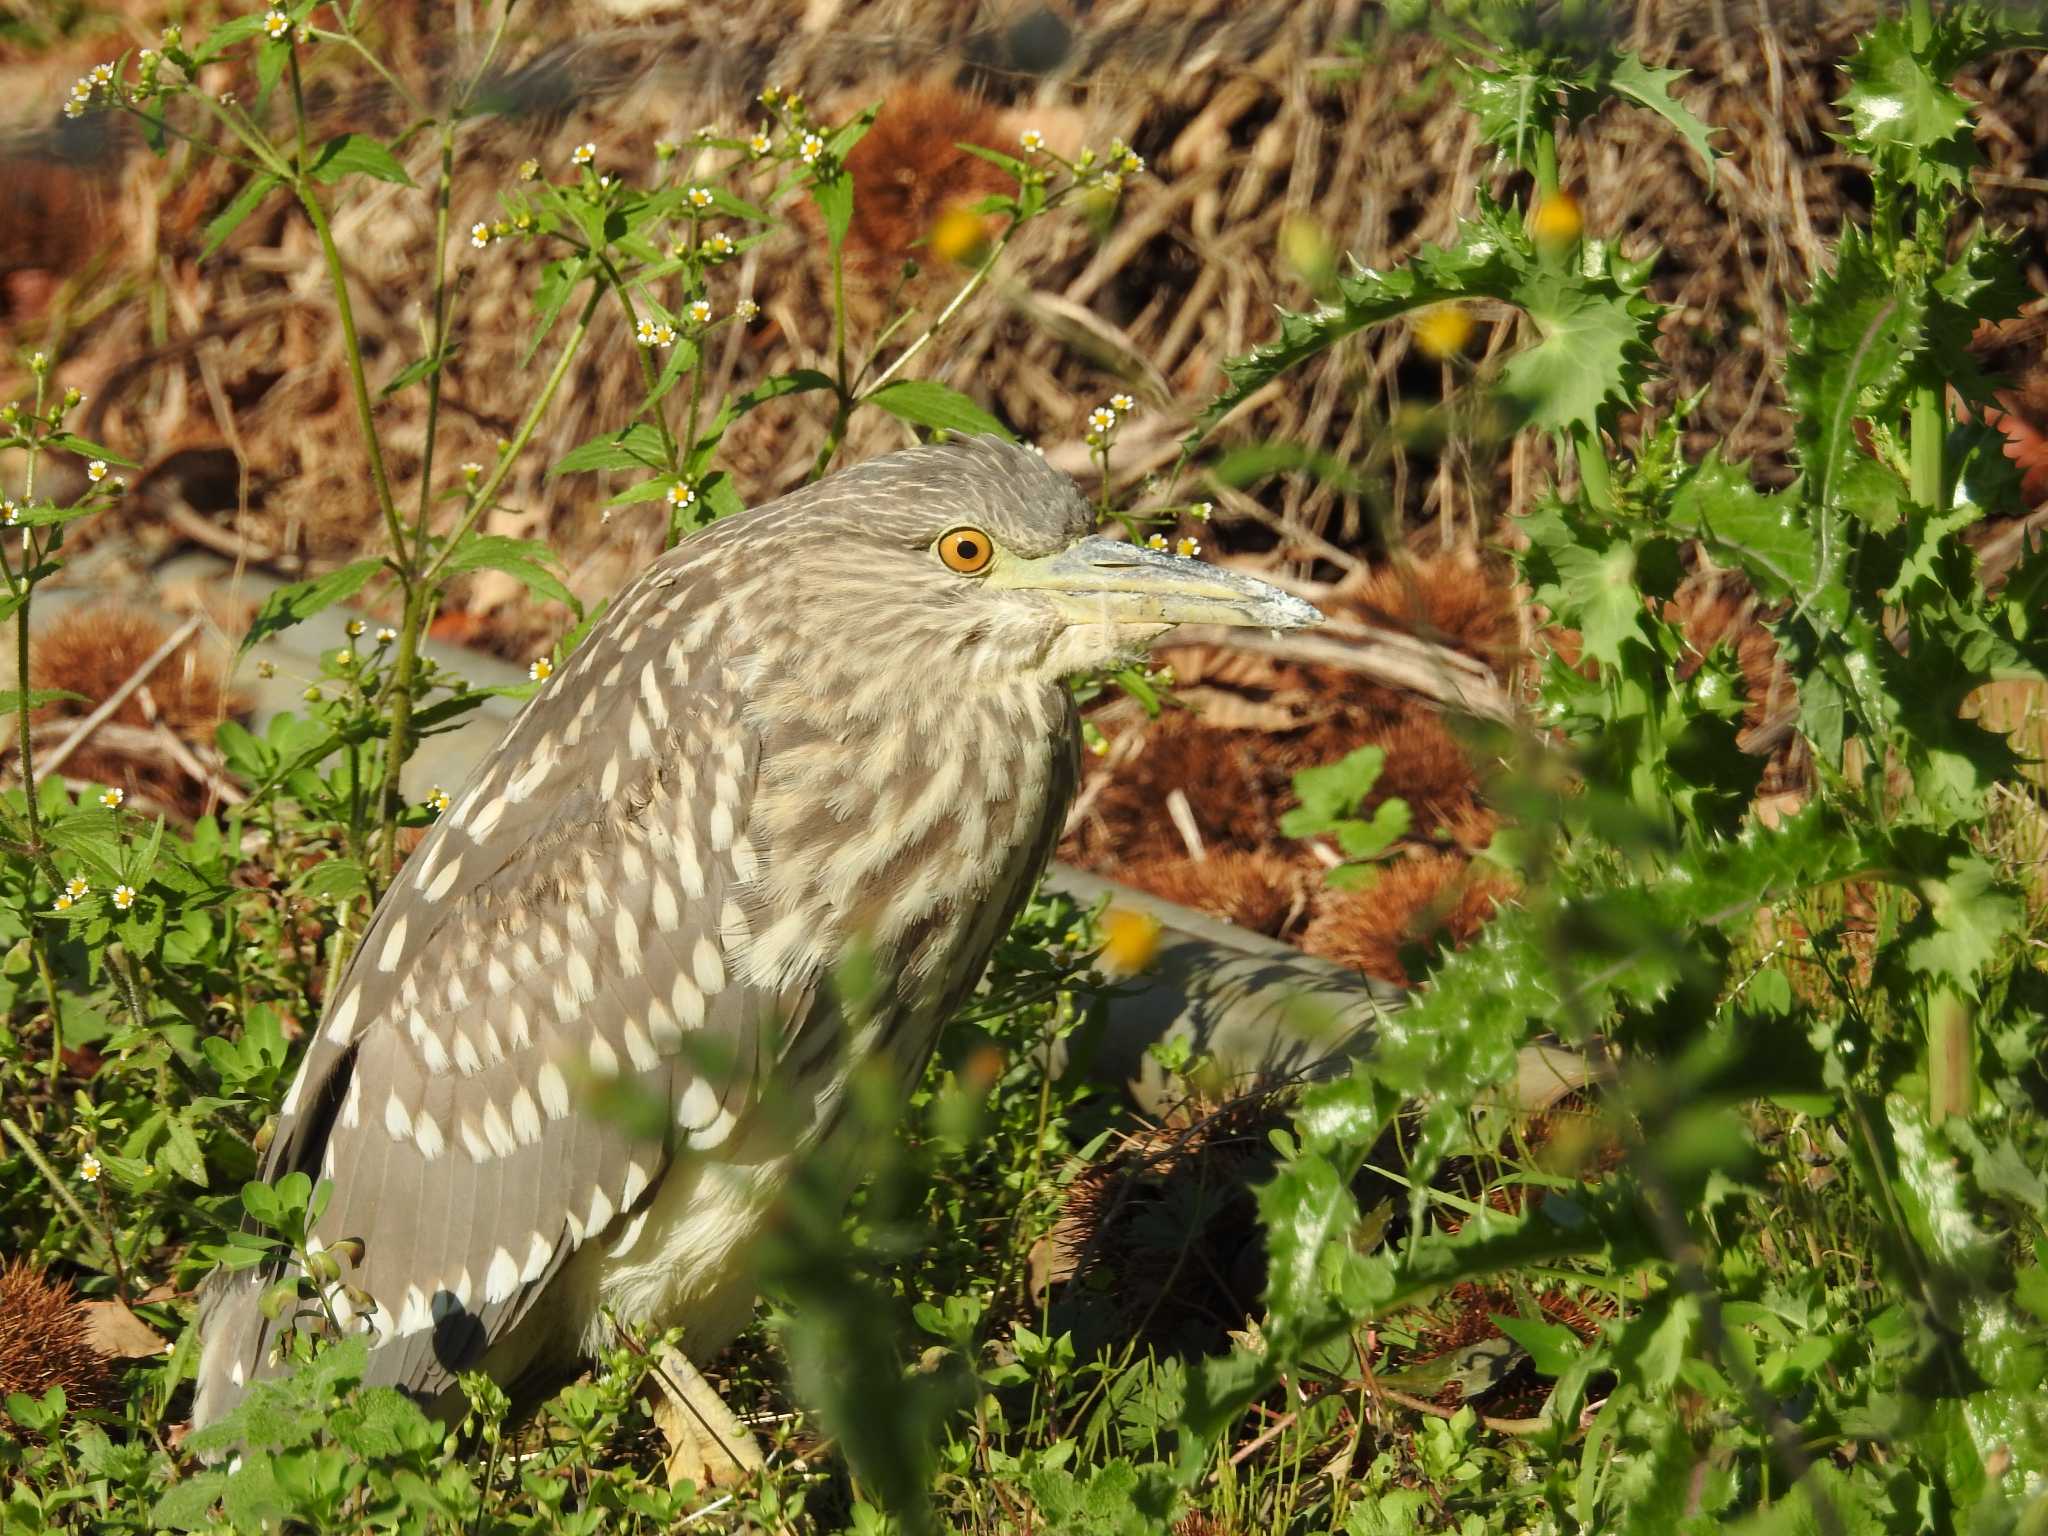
[[1443, 331], [1557, 220], [1130, 940], [958, 235]]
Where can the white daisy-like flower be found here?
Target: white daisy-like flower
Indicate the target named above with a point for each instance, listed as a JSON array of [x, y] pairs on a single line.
[[583, 154], [89, 1168], [1202, 511], [1101, 419], [681, 495], [74, 108], [355, 628], [102, 74], [96, 471], [472, 471], [1133, 162], [437, 799], [718, 243], [700, 311], [760, 143], [746, 310], [664, 335], [124, 896], [276, 25], [810, 149], [1123, 405], [112, 798], [1032, 140], [10, 512], [64, 903], [1157, 541], [479, 234], [700, 197], [541, 669], [1187, 549], [81, 89], [386, 634], [646, 333]]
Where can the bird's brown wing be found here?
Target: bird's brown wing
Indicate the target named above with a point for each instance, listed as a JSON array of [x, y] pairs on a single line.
[[563, 927]]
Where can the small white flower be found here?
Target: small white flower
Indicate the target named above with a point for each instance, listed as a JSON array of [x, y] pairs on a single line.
[[64, 903], [74, 109], [479, 234], [1123, 405], [112, 798], [746, 310], [102, 74], [1187, 549], [810, 149], [541, 670], [1101, 419], [472, 471], [96, 471], [89, 1168], [584, 154], [664, 335], [355, 628], [1032, 140], [681, 495], [81, 90], [10, 512], [437, 799], [700, 197], [1156, 541], [386, 634], [124, 896], [1133, 163], [1202, 511], [718, 243], [646, 333], [276, 25], [76, 887], [760, 143], [529, 170], [700, 311]]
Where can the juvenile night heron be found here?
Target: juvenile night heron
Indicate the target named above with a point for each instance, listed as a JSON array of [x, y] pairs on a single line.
[[837, 722]]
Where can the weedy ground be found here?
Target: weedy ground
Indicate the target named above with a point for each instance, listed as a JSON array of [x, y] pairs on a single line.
[[1666, 468]]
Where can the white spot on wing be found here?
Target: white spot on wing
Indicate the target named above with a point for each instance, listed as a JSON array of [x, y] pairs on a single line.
[[525, 1118], [554, 1090], [396, 1121], [341, 1022], [414, 1316], [502, 1278], [496, 1131], [603, 1059], [708, 966], [394, 945], [538, 1252], [427, 1134], [601, 1212], [640, 1048]]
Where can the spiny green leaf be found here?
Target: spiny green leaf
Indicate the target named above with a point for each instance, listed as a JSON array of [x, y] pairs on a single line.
[[1651, 88]]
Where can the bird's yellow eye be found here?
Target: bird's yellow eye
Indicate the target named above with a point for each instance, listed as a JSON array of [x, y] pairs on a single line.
[[966, 550]]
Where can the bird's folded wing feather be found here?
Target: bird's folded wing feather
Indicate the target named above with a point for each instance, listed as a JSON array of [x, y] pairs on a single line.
[[566, 923]]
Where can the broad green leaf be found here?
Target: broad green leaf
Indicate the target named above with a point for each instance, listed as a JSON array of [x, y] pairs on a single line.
[[1902, 112], [298, 602], [926, 403], [634, 447], [833, 193], [1766, 535], [525, 559]]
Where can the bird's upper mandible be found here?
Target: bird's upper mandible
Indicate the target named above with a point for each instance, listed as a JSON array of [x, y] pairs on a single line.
[[838, 719]]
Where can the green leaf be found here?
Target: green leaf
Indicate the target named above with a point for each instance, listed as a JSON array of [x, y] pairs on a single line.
[[1553, 1348], [418, 369], [231, 218], [85, 448], [1767, 536], [797, 381], [351, 154], [1902, 112], [335, 880], [298, 602], [926, 403], [14, 699], [833, 193], [1330, 793], [634, 447], [1651, 88], [1968, 915], [525, 559]]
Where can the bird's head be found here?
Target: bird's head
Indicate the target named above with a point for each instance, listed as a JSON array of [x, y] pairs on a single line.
[[979, 552]]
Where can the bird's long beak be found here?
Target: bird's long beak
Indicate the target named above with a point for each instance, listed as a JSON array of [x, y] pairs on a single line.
[[1105, 581]]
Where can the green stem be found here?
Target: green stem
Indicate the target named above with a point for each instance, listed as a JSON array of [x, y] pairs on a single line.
[[352, 350], [438, 341]]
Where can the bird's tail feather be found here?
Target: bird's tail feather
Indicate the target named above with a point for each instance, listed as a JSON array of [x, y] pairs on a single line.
[[232, 1330]]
